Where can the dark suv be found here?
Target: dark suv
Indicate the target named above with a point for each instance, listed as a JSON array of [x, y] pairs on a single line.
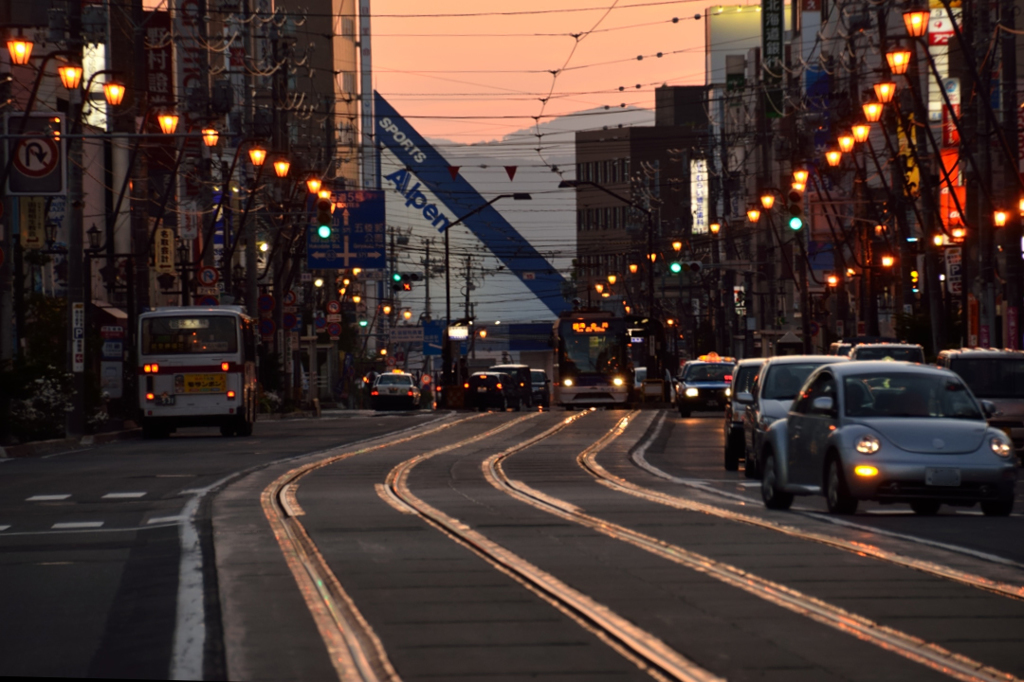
[[491, 390], [521, 378], [541, 388]]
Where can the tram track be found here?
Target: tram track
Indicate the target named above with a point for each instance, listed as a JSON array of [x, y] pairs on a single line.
[[588, 461], [635, 644], [355, 650], [890, 639]]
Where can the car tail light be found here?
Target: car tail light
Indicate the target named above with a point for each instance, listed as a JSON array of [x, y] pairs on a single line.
[[373, 392], [409, 393], [231, 395], [728, 378], [465, 385], [225, 366], [499, 386], [150, 396]]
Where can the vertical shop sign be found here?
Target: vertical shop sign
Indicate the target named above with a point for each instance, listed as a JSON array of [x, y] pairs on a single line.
[[771, 55]]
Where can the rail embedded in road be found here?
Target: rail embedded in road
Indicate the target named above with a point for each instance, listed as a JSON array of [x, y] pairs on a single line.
[[890, 639]]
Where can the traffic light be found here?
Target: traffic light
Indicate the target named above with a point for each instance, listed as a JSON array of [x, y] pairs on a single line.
[[400, 282], [915, 279], [676, 268], [323, 217], [796, 210], [363, 322], [694, 266]]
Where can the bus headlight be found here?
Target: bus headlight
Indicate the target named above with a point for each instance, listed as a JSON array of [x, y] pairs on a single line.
[[567, 382], [618, 381], [692, 393]]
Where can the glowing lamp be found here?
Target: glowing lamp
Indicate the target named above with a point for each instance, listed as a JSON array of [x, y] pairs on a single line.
[[281, 167], [845, 143], [611, 279], [633, 267], [599, 287], [753, 215], [386, 309], [483, 333], [885, 91], [257, 155], [938, 240], [318, 282], [850, 272], [1020, 206], [887, 261], [767, 200], [899, 60], [916, 21], [860, 132], [70, 76], [407, 314], [999, 218], [168, 123], [872, 111], [800, 176], [833, 281], [210, 137], [958, 234], [715, 227], [20, 49], [798, 187], [865, 471], [313, 184], [677, 245], [114, 92], [833, 156]]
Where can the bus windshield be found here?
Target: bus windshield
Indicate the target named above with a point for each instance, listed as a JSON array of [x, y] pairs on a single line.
[[992, 377], [591, 348], [189, 335]]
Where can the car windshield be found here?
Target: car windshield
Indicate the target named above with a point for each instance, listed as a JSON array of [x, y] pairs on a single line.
[[783, 381], [890, 353], [708, 373], [908, 394], [538, 378], [992, 377], [394, 380]]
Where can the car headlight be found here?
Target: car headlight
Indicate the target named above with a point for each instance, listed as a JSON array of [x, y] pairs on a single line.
[[567, 382], [618, 381], [728, 392], [1000, 446], [868, 444], [691, 393]]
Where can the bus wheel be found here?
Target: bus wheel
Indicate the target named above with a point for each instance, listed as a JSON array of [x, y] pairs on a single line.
[[243, 428], [151, 431], [227, 430]]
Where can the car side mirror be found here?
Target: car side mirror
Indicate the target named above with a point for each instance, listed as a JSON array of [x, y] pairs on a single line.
[[989, 408], [744, 397], [823, 404]]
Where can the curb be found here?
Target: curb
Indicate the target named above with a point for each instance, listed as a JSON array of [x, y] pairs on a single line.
[[43, 448]]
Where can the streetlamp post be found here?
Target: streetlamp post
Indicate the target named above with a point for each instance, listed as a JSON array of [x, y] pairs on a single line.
[[446, 359]]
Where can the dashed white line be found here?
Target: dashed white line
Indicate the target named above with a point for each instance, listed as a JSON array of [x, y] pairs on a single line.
[[3, 528], [76, 525], [46, 498], [123, 496], [165, 519]]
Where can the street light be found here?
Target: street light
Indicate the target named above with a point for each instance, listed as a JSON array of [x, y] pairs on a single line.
[[210, 137], [677, 245], [168, 123], [800, 175], [257, 155], [999, 218], [845, 143], [114, 92], [753, 214], [887, 261], [633, 267], [715, 227], [70, 76], [899, 60], [599, 287], [611, 279], [833, 156], [860, 132], [281, 167], [885, 91], [20, 49], [916, 21], [872, 111], [767, 200], [313, 184]]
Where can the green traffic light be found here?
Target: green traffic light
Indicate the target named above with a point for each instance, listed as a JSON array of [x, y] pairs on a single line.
[[796, 223], [396, 277], [324, 231], [676, 268], [363, 323]]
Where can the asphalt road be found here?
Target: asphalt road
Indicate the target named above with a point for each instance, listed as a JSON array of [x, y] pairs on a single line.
[[499, 546]]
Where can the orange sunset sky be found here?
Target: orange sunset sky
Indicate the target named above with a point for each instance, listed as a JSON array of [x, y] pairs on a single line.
[[484, 74]]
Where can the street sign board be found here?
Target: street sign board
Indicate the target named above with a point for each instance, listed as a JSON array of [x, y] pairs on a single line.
[[78, 336], [289, 298], [207, 300], [112, 350], [267, 328], [334, 329], [407, 335], [334, 317], [289, 320], [954, 269], [265, 303], [333, 307], [208, 276], [357, 237], [35, 146]]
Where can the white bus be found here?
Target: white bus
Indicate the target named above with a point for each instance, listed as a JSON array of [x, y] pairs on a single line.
[[197, 367]]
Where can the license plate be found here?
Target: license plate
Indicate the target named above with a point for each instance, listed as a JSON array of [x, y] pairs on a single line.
[[481, 389], [949, 478], [200, 383], [712, 403], [392, 390], [165, 400]]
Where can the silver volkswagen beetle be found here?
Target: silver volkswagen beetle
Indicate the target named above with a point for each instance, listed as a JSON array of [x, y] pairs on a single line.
[[891, 432]]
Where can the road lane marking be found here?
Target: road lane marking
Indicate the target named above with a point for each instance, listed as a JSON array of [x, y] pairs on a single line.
[[3, 528], [638, 646], [165, 519], [355, 650], [913, 648], [123, 496], [46, 498], [76, 525]]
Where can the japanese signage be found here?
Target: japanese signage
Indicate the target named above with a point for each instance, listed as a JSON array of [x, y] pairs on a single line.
[[699, 195], [33, 222], [950, 133], [771, 55], [159, 59], [163, 250], [954, 269], [78, 336]]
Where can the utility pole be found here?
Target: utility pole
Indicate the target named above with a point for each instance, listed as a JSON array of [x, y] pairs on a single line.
[[426, 280], [982, 31], [469, 282], [1011, 244], [75, 421]]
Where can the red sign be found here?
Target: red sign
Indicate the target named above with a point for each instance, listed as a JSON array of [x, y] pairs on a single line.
[[112, 332], [333, 307]]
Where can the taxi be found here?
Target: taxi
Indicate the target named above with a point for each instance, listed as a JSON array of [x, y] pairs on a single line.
[[397, 389], [703, 384]]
